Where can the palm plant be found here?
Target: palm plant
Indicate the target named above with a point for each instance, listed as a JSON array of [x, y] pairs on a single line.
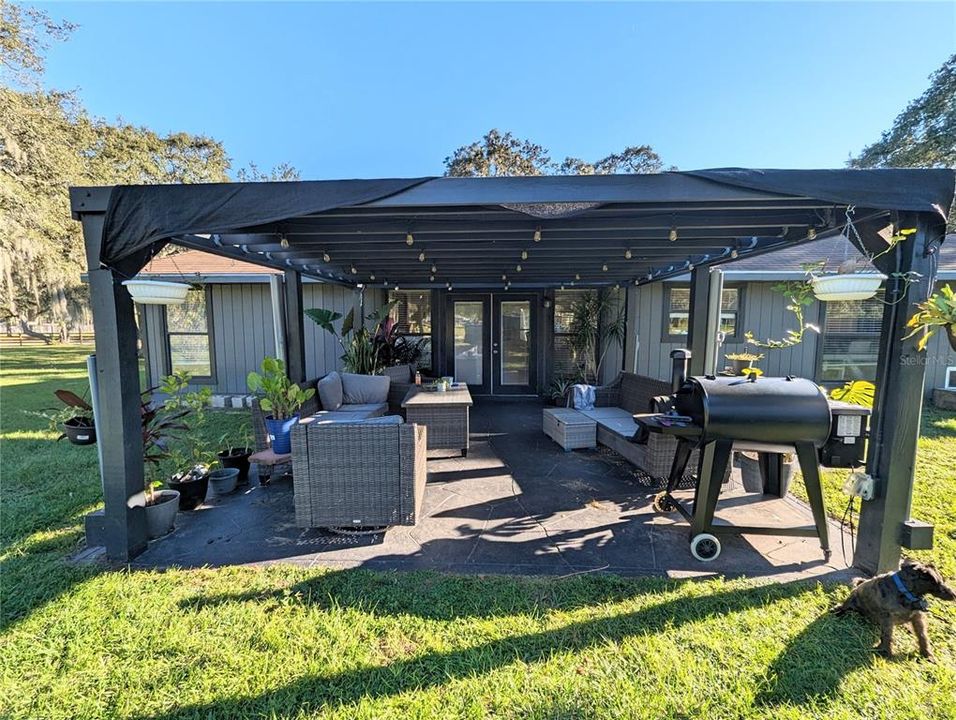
[[594, 329]]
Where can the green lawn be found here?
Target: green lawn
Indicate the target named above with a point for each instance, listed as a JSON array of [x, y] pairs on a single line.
[[283, 642]]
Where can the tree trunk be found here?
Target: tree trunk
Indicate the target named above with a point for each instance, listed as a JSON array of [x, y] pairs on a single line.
[[27, 330]]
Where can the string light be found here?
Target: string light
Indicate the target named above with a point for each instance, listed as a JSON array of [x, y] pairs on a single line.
[[576, 276], [449, 286], [627, 254], [371, 277], [672, 235], [409, 239], [604, 267], [524, 254], [434, 268], [354, 271], [326, 258], [734, 254], [504, 276], [518, 267], [537, 235], [431, 278], [811, 233], [283, 241], [421, 257]]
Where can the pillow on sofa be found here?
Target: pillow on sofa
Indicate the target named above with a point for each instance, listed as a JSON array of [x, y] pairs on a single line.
[[330, 391], [362, 389]]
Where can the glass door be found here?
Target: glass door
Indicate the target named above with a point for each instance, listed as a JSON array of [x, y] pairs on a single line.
[[513, 345], [467, 355]]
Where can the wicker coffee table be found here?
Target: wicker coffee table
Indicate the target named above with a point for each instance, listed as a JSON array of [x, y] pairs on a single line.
[[445, 414]]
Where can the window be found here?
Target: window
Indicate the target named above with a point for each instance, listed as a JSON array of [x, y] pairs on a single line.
[[564, 363], [677, 312], [851, 340], [187, 331], [412, 314]]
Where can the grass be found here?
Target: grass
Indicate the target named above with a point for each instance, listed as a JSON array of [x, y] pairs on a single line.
[[283, 642]]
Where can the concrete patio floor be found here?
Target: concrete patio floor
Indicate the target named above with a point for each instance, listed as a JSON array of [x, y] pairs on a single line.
[[518, 504]]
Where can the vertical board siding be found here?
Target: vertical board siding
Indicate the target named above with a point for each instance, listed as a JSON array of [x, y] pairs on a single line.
[[243, 332], [614, 357], [764, 312], [322, 351]]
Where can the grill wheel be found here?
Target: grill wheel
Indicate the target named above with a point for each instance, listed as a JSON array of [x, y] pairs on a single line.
[[705, 547]]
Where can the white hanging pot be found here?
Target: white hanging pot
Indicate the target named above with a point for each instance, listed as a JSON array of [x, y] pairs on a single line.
[[848, 286], [157, 292]]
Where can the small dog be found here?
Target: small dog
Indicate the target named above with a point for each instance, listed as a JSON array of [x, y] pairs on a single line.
[[892, 599]]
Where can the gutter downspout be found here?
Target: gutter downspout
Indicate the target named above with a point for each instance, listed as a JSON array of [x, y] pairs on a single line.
[[278, 315]]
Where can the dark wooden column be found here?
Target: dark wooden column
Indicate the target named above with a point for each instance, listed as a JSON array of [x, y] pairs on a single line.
[[294, 326], [891, 456], [122, 526], [706, 286]]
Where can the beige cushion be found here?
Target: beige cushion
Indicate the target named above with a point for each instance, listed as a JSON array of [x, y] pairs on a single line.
[[330, 391], [364, 389]]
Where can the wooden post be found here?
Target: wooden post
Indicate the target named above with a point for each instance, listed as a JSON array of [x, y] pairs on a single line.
[[706, 287], [891, 456], [294, 326], [118, 425]]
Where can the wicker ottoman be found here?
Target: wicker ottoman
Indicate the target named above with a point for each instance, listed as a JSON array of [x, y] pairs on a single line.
[[569, 428]]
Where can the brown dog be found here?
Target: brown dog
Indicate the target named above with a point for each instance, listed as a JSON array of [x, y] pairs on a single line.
[[892, 599]]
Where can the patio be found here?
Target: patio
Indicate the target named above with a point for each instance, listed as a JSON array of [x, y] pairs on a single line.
[[517, 504]]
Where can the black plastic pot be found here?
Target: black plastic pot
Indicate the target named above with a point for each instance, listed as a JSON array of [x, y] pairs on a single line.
[[192, 489], [237, 458], [79, 431]]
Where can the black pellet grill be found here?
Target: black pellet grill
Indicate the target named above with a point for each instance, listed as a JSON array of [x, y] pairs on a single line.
[[772, 416]]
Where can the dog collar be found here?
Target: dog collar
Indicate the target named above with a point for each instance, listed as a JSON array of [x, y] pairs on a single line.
[[914, 602]]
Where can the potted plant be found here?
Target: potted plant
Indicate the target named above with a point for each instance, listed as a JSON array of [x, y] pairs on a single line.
[[187, 454], [282, 398], [238, 458], [560, 387], [224, 480], [938, 311], [742, 361], [365, 352], [74, 420], [159, 427], [855, 278]]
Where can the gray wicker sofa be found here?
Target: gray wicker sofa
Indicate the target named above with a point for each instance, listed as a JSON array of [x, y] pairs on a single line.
[[369, 473], [614, 407]]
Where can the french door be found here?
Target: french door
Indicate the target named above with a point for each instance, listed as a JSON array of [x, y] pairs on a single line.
[[490, 342]]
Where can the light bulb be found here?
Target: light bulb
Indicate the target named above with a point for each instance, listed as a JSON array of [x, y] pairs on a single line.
[[604, 267], [421, 257], [672, 235], [518, 267], [503, 276], [284, 241], [431, 278], [524, 254], [409, 239], [434, 268], [627, 255], [537, 235], [811, 233], [354, 271], [734, 253], [326, 257], [576, 276], [371, 277]]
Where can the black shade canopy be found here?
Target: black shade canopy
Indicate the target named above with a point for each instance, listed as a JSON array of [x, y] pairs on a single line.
[[477, 232]]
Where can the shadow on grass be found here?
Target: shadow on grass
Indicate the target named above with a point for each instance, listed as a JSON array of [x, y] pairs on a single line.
[[808, 667]]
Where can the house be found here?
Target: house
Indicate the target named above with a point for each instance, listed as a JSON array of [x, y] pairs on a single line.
[[231, 320]]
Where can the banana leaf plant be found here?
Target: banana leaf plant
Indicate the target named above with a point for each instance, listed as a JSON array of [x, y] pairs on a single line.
[[361, 352]]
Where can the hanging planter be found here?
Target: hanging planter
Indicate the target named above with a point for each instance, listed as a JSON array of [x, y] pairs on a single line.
[[846, 286], [157, 292]]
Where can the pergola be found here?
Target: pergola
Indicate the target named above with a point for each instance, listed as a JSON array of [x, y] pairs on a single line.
[[518, 233]]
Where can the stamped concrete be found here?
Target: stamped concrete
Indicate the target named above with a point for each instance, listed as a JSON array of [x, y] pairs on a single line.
[[518, 504]]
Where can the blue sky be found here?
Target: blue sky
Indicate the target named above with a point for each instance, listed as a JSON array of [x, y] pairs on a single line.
[[349, 90]]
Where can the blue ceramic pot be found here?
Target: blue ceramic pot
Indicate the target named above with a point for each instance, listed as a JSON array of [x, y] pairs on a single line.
[[280, 433]]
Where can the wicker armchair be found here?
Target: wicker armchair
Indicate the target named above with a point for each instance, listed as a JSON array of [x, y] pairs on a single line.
[[358, 474]]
